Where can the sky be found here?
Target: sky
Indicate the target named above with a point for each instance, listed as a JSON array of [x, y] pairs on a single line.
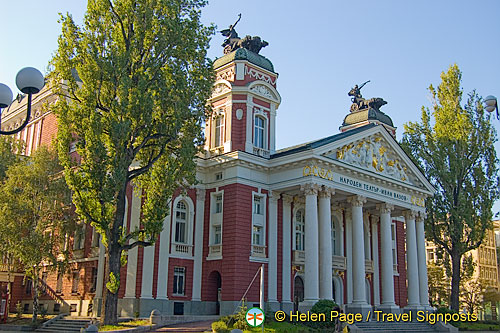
[[320, 49]]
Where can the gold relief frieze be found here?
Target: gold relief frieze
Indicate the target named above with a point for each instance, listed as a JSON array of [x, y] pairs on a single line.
[[373, 155]]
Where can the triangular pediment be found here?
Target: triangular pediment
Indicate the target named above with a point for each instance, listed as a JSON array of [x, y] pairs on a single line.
[[376, 151]]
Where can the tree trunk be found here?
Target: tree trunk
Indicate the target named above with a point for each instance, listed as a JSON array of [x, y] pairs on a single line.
[[113, 256], [35, 299], [455, 280]]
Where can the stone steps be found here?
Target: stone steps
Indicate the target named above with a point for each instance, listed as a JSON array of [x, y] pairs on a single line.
[[65, 325]]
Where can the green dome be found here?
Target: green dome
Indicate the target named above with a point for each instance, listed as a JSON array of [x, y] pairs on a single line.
[[244, 54], [367, 114]]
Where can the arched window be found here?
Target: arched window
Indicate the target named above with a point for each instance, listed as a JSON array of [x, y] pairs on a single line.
[[181, 218], [219, 131], [259, 132], [299, 230]]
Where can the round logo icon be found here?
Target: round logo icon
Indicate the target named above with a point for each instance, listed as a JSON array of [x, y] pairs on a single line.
[[255, 317]]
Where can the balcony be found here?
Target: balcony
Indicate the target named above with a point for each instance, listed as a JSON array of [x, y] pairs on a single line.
[[259, 251], [182, 249], [338, 262], [299, 257], [215, 251], [261, 152]]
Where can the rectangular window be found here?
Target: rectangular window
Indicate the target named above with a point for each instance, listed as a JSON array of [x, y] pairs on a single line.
[[257, 205], [179, 280], [93, 280], [217, 235], [76, 282], [59, 284], [43, 286], [259, 132], [257, 235], [219, 131], [29, 286], [79, 240], [218, 203], [95, 238], [394, 248]]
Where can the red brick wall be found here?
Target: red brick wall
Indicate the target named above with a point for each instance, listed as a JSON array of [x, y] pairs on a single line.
[[238, 127], [49, 129]]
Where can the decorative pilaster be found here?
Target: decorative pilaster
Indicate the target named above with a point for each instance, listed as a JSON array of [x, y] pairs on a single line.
[[387, 269], [147, 272], [287, 253], [132, 254], [325, 243], [311, 287], [198, 243], [272, 272], [412, 261], [422, 263], [161, 292]]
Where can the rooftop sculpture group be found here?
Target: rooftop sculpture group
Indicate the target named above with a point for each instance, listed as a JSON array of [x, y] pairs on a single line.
[[359, 103], [234, 42]]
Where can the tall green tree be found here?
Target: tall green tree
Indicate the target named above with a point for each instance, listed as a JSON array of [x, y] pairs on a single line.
[[454, 146], [35, 215], [135, 108]]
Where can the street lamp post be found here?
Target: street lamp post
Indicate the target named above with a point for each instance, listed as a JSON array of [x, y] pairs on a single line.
[[30, 81], [491, 104]]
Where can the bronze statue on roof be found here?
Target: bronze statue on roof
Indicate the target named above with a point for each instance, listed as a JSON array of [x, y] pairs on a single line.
[[234, 42], [359, 103]]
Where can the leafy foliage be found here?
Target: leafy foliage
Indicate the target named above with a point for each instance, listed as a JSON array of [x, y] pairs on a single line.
[[454, 146], [35, 215], [136, 80]]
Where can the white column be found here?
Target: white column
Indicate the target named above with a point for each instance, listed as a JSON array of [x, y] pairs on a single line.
[[325, 244], [348, 236], [161, 292], [311, 288], [376, 271], [272, 272], [412, 260], [132, 254], [198, 243], [358, 253], [387, 269], [147, 272], [287, 250], [422, 264], [100, 270]]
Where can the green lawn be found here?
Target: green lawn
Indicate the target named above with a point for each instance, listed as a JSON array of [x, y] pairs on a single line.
[[477, 326], [125, 325]]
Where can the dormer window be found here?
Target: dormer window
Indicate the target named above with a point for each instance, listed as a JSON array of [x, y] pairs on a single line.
[[219, 131], [259, 132]]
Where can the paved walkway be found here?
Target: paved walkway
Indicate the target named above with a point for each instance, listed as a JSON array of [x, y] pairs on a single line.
[[199, 326]]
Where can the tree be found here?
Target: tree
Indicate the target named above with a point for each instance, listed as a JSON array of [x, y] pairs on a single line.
[[456, 152], [438, 286], [35, 214], [136, 83]]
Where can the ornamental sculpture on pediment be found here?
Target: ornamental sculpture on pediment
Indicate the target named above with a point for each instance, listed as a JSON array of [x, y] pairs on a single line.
[[359, 103], [371, 154]]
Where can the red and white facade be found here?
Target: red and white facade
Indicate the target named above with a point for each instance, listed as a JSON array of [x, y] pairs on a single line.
[[339, 218]]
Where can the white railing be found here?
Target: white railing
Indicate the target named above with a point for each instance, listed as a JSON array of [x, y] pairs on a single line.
[[299, 256], [185, 249], [338, 262], [261, 152], [259, 251]]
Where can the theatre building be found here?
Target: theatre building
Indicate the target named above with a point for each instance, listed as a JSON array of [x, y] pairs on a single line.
[[337, 218]]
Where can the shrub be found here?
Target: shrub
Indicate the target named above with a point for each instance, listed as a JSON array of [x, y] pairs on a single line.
[[219, 327], [325, 307], [19, 310], [241, 325]]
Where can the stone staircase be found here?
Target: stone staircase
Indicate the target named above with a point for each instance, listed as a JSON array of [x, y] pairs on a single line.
[[65, 324], [390, 327]]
